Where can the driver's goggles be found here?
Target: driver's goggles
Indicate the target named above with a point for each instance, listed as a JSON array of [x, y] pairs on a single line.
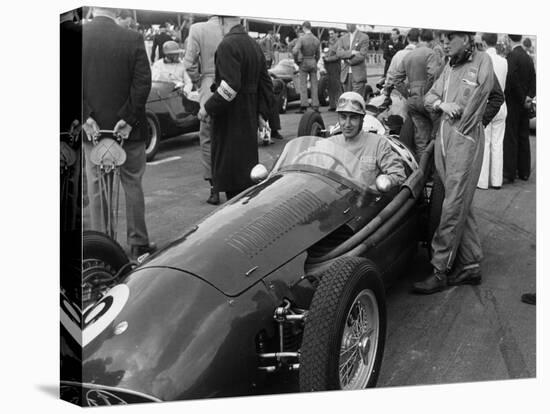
[[350, 105]]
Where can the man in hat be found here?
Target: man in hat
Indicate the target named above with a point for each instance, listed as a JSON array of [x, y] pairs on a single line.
[[459, 97], [373, 151], [158, 41], [170, 68]]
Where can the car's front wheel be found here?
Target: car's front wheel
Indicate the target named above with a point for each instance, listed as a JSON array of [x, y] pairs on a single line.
[[323, 91], [102, 259], [153, 136], [345, 329]]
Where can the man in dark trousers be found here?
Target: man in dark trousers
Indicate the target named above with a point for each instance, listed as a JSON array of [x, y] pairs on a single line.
[[116, 81], [307, 47], [158, 41], [332, 66], [391, 47], [520, 91], [240, 103]]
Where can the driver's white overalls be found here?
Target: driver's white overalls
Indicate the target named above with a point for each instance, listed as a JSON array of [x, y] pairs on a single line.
[[458, 158]]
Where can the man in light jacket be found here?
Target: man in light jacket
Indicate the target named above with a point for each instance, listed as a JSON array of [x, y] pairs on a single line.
[[352, 49]]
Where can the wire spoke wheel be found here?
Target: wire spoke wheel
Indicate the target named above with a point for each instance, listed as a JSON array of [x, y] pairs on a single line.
[[345, 329], [360, 334]]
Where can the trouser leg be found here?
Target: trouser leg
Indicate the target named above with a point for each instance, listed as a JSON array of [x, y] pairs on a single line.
[[303, 88], [422, 132], [346, 85], [314, 88], [459, 170], [205, 131], [483, 181], [131, 174], [497, 137], [98, 209], [510, 147], [469, 250], [524, 147], [334, 85], [359, 87]]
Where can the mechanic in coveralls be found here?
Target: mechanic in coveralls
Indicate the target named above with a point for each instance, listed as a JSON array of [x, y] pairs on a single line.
[[374, 151], [460, 96]]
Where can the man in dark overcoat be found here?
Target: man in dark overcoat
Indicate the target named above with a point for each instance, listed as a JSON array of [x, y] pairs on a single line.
[[520, 91], [240, 102], [116, 80]]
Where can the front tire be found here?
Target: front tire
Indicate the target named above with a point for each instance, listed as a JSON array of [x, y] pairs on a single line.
[[102, 259], [345, 329], [153, 136], [311, 123]]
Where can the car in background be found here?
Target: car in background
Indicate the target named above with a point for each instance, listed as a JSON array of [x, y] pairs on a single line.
[[169, 113], [286, 82]]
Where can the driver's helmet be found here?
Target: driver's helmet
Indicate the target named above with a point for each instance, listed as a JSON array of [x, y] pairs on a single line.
[[351, 102]]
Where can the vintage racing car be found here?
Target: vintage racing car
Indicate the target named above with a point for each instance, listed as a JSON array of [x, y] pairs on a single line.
[[169, 113], [289, 275], [286, 83]]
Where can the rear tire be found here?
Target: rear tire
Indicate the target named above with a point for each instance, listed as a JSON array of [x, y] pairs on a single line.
[[345, 329], [311, 123], [102, 258], [153, 136]]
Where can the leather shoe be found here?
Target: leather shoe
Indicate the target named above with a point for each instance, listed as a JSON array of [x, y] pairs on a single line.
[[471, 276], [436, 282], [214, 198], [139, 250], [276, 135], [529, 298], [524, 177], [507, 180], [302, 110]]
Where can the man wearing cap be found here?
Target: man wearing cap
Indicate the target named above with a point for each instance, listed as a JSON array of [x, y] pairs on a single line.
[[116, 80], [307, 47], [239, 105], [158, 41], [459, 96], [203, 39], [170, 68], [374, 151]]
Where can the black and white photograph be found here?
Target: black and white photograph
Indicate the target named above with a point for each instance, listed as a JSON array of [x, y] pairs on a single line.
[[308, 209]]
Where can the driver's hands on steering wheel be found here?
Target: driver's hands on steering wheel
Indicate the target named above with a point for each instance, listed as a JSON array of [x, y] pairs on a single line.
[[91, 128], [122, 129]]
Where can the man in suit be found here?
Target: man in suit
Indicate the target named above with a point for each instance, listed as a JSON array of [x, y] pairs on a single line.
[[520, 91], [307, 47], [202, 42], [116, 83], [391, 47], [352, 49]]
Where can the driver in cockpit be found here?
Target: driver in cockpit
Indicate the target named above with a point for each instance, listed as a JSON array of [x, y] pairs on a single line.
[[375, 154]]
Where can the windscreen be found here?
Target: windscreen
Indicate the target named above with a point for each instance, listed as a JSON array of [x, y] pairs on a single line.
[[319, 155]]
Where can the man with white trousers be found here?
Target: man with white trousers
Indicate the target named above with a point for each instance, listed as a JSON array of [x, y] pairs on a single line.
[[491, 170]]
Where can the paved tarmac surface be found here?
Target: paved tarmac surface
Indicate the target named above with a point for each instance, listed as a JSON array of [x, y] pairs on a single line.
[[463, 334]]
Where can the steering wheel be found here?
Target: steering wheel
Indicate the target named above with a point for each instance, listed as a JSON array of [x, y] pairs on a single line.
[[335, 164]]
